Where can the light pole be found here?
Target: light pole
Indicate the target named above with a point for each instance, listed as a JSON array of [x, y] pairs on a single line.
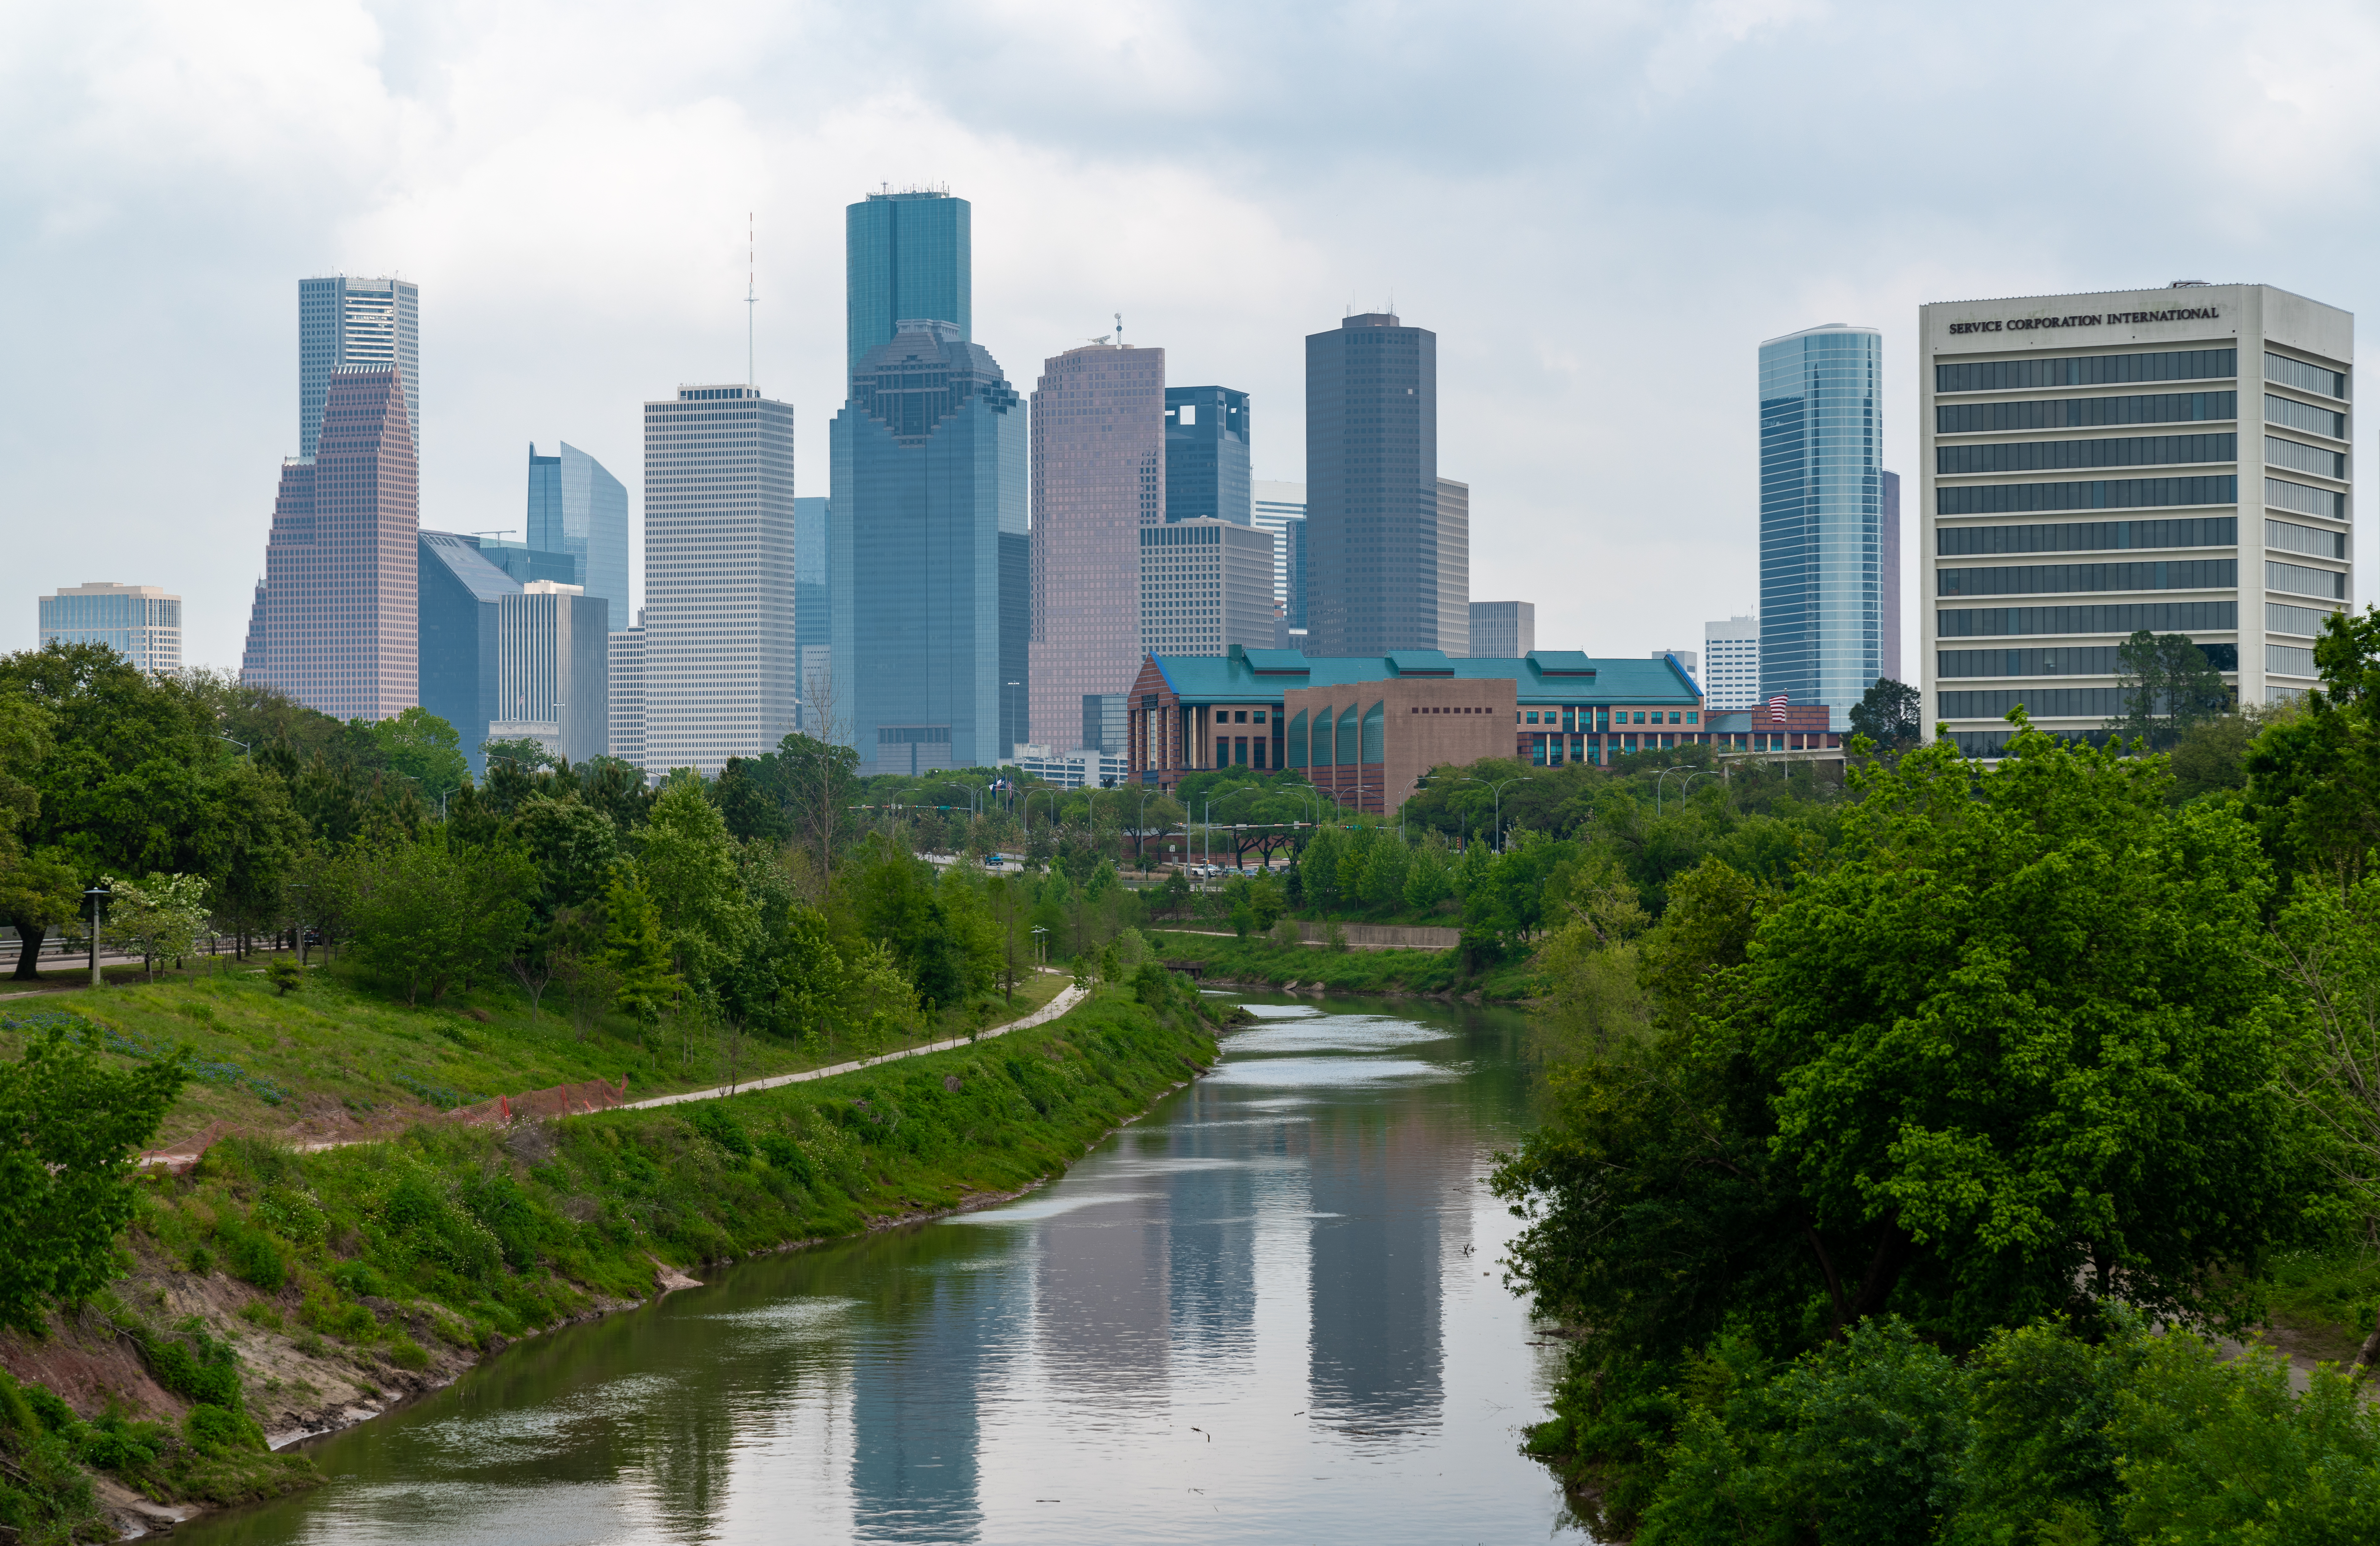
[[1690, 777], [1496, 841], [1041, 946], [245, 749], [95, 896]]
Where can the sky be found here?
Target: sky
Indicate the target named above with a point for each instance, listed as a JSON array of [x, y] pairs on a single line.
[[1600, 209]]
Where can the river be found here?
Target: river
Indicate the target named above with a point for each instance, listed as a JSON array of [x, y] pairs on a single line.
[[1270, 1310]]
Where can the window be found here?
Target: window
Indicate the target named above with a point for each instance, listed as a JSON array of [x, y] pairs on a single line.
[[2019, 375], [2072, 537], [2317, 378], [2305, 500], [1694, 717], [2136, 451], [1639, 716], [1241, 717], [2076, 412], [1260, 716], [2283, 619], [2289, 659], [2163, 617], [2038, 578], [1676, 718], [1533, 715], [2305, 581], [2112, 493], [2294, 415], [2048, 702], [2069, 660], [2305, 539], [2305, 458]]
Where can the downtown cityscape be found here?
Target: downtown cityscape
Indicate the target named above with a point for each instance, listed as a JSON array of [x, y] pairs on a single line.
[[1077, 774]]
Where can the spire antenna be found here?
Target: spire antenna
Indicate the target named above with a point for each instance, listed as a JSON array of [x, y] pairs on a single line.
[[751, 295]]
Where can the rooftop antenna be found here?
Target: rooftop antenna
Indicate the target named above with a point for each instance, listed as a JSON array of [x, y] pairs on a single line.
[[1119, 317], [751, 295]]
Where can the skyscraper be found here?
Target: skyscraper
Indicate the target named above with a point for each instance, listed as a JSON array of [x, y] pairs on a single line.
[[506, 660], [1100, 442], [1205, 586], [1281, 509], [335, 625], [345, 322], [1501, 630], [626, 685], [1821, 505], [459, 593], [1732, 663], [1206, 454], [719, 576], [576, 506], [1371, 485], [927, 560], [1888, 564], [140, 622], [813, 606], [906, 255], [1454, 567]]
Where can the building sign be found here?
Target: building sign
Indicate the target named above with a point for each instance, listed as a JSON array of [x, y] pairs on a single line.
[[2093, 319]]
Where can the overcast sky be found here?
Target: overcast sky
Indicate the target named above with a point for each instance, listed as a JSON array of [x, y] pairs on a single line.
[[1601, 209]]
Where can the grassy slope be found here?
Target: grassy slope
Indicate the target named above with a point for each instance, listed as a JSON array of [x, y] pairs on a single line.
[[344, 1062], [1261, 961]]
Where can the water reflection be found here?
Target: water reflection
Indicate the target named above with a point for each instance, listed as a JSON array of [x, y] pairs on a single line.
[[1247, 1317]]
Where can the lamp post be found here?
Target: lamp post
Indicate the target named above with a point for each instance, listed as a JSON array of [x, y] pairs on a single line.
[[1041, 946], [1497, 840], [95, 895], [1690, 777], [245, 749]]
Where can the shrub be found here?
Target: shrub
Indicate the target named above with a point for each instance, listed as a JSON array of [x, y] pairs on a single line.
[[285, 975], [213, 1430], [716, 1123]]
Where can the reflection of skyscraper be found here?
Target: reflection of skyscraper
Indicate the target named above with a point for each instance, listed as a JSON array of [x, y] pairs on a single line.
[[1210, 1242], [918, 1389], [576, 506], [1102, 1292], [906, 255], [1377, 1353]]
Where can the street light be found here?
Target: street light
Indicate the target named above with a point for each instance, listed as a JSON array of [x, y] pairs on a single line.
[[1039, 946], [1496, 840], [249, 752], [95, 895], [1690, 777]]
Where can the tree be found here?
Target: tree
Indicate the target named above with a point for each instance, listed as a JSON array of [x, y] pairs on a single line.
[[429, 913], [573, 846], [157, 918], [810, 975], [38, 891], [1888, 714], [687, 864], [1429, 880], [634, 948], [2314, 776], [525, 752], [2169, 685], [424, 748], [70, 1128]]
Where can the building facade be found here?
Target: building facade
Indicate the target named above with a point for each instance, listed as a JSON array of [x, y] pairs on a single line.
[[1821, 505], [626, 690], [906, 255], [1454, 568], [1371, 485], [813, 609], [1502, 630], [1104, 723], [2090, 470], [576, 506], [1888, 564], [1206, 455], [928, 556], [336, 621], [1100, 440], [140, 622], [1281, 509], [345, 322], [719, 577], [554, 671], [1731, 662], [460, 592], [1206, 585]]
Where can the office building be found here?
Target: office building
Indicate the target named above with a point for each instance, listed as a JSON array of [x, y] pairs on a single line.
[[140, 622], [1103, 722], [2085, 462], [1684, 658], [1888, 565], [626, 686], [1082, 767], [576, 506], [1454, 566], [1206, 454], [1502, 630], [1732, 663], [335, 623], [460, 591], [906, 256], [928, 556], [1371, 487], [1100, 440], [1281, 509], [345, 323], [504, 659], [813, 610], [1205, 586], [525, 562], [719, 577], [1821, 505]]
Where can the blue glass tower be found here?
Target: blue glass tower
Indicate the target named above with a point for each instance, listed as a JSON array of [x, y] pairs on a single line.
[[577, 507], [928, 556], [906, 255], [1206, 454], [1821, 512]]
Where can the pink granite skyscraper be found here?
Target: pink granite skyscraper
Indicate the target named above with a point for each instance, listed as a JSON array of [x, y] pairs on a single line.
[[335, 623], [1099, 476]]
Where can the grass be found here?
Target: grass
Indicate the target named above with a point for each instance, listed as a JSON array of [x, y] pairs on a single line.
[[346, 1062], [2328, 1297], [1393, 971]]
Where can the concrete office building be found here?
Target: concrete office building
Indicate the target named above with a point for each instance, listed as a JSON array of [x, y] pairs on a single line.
[[1888, 566], [1205, 586], [906, 255], [928, 556], [502, 659], [1501, 630], [813, 609], [140, 622], [1732, 663], [345, 323], [1281, 509], [1371, 484], [576, 506], [335, 623], [2173, 459], [1821, 504], [1454, 566], [719, 577], [626, 694], [1206, 454], [1100, 442]]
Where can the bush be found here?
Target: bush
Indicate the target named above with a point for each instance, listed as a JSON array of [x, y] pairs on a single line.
[[253, 1256], [213, 1430], [285, 975], [716, 1123]]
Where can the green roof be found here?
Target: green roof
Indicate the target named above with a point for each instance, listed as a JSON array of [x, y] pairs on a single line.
[[1545, 676]]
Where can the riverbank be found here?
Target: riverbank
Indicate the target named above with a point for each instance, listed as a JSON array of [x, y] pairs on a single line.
[[346, 1280], [1260, 965]]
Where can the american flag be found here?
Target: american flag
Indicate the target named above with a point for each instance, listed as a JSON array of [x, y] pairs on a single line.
[[1777, 709]]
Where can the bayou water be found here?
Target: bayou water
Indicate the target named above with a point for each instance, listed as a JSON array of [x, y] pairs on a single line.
[[1270, 1310]]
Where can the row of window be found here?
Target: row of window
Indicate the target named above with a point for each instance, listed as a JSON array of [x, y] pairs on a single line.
[[2304, 498], [2299, 580], [2047, 703], [2305, 458], [2317, 378], [2064, 660], [2289, 659], [2292, 538], [2112, 493], [2035, 579], [2131, 451], [2077, 413], [2025, 375], [2282, 618], [2292, 414], [2080, 537]]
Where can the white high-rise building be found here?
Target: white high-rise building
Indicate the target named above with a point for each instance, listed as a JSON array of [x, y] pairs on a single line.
[[1281, 509], [2173, 459], [718, 666], [140, 622], [626, 687], [1731, 664], [347, 322], [1453, 567]]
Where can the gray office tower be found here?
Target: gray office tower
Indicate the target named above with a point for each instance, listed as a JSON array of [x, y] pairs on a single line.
[[503, 659], [1821, 508], [1371, 487], [813, 609], [1888, 563], [344, 321], [1206, 455], [929, 563], [577, 507], [906, 255]]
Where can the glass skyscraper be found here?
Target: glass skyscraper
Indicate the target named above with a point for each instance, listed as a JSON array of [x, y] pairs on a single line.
[[907, 256], [576, 506], [1821, 510], [928, 556], [140, 622], [1371, 487], [343, 321], [1206, 455]]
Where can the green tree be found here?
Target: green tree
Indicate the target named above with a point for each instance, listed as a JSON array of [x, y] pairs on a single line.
[[1430, 879], [1384, 873], [1888, 714], [634, 947], [689, 863], [424, 748], [429, 915], [38, 891], [157, 919], [573, 846]]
